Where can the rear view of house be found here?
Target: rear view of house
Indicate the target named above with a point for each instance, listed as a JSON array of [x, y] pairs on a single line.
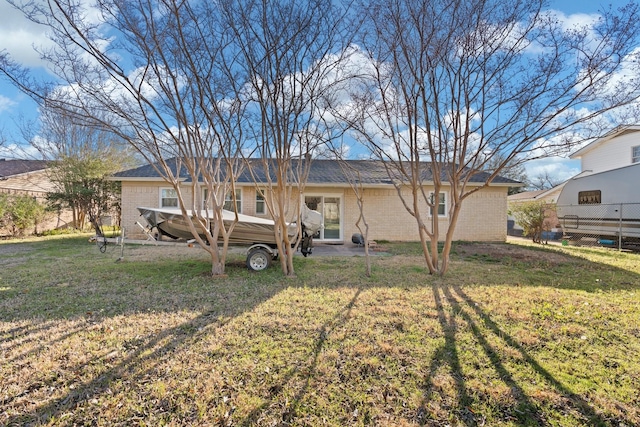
[[328, 191]]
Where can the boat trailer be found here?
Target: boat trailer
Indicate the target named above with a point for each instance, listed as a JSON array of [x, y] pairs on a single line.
[[256, 232]]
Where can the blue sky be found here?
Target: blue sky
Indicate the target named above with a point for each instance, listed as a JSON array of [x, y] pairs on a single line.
[[18, 36]]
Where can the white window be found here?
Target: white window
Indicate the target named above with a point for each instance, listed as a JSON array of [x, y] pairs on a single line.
[[441, 205], [168, 198], [260, 206], [228, 201], [635, 154]]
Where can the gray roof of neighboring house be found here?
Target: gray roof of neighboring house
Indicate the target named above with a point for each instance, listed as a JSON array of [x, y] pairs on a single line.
[[526, 195], [321, 172], [13, 167], [537, 194]]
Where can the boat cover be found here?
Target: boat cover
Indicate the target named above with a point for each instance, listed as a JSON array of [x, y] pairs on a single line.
[[248, 230]]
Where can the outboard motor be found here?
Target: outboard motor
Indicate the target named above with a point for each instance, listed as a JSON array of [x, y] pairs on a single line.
[[306, 246], [311, 223]]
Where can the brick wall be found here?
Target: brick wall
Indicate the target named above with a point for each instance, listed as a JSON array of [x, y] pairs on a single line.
[[34, 183], [136, 194], [483, 216]]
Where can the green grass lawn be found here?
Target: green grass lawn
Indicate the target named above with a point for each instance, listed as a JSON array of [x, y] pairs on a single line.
[[513, 335]]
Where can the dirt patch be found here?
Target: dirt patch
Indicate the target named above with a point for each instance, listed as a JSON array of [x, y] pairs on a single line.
[[495, 251], [152, 252], [500, 251]]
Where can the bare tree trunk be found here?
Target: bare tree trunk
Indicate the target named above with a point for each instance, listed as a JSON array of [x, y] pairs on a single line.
[[217, 263], [171, 92], [355, 182], [439, 101], [427, 248], [365, 234], [288, 52]]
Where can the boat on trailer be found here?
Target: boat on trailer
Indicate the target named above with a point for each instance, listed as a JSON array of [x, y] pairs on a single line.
[[257, 233]]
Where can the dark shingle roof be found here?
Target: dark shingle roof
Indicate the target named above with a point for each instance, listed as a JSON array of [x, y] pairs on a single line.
[[9, 168], [321, 172]]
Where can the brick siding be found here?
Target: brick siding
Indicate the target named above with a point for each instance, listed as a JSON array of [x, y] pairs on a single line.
[[483, 216]]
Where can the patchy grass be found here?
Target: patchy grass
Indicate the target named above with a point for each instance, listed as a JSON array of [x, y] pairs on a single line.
[[514, 335]]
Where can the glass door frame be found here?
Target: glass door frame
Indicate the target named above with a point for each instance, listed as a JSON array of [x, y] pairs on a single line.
[[320, 209]]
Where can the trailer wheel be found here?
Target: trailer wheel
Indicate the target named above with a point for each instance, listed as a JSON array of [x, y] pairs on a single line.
[[258, 259]]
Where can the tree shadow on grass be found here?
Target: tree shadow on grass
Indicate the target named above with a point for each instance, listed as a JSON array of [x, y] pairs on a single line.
[[447, 353], [198, 302], [576, 402], [525, 411], [150, 349], [289, 413], [41, 336], [454, 309]]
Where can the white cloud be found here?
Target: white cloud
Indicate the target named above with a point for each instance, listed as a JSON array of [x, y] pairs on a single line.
[[16, 151], [19, 36], [5, 103], [576, 20], [558, 168], [22, 38]]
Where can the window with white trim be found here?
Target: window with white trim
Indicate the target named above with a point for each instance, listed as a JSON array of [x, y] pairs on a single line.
[[168, 198], [228, 201], [635, 154], [441, 205], [260, 206]]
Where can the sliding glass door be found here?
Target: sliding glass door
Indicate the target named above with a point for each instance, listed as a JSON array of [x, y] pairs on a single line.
[[330, 208]]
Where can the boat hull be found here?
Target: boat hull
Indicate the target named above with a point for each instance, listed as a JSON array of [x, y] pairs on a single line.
[[248, 230]]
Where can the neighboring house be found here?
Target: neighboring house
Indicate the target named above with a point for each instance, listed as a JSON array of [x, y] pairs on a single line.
[[550, 196], [24, 177], [482, 217], [618, 148], [29, 177]]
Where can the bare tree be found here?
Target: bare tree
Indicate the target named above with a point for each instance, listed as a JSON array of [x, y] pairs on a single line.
[[82, 160], [453, 83], [354, 179], [513, 169], [288, 55], [338, 151], [543, 181], [157, 75]]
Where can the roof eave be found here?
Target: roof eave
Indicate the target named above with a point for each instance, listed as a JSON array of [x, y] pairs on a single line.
[[140, 179], [599, 141], [21, 174], [319, 184]]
